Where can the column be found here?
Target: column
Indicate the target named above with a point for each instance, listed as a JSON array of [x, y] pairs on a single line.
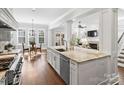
[[68, 31], [108, 37]]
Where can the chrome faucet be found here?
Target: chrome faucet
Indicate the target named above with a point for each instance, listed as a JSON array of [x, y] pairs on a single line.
[[66, 45]]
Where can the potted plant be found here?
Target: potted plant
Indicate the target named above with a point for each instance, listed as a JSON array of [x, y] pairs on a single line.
[[9, 47], [78, 41], [32, 41]]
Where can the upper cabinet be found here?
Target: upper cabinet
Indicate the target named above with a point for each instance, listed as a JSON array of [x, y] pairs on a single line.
[[7, 21]]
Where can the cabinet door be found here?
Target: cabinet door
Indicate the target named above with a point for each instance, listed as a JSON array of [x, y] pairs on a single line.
[[55, 61], [53, 58], [48, 56], [73, 73], [57, 64]]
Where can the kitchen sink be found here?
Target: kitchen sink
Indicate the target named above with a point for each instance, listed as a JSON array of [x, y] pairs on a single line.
[[61, 50]]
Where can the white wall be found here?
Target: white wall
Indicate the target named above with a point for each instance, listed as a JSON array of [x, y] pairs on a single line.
[[120, 27]]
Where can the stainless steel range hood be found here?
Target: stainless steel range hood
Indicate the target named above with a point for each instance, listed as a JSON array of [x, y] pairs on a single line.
[[5, 27], [7, 21]]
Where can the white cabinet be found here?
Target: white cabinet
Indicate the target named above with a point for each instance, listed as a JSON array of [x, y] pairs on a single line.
[[91, 72], [73, 73], [49, 56], [57, 63], [53, 59]]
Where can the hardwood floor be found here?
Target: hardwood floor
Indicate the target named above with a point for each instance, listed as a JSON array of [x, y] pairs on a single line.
[[121, 75], [38, 72]]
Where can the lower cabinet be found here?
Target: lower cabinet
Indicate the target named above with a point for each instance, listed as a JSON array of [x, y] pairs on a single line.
[[63, 66], [56, 62], [73, 73], [48, 56], [53, 59]]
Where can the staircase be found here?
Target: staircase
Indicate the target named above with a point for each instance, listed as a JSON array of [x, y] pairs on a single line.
[[121, 51], [121, 58]]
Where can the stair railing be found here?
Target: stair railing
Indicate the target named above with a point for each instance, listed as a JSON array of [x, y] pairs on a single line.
[[120, 43], [120, 37]]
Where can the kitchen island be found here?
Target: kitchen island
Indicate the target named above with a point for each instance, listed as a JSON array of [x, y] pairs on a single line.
[[79, 66]]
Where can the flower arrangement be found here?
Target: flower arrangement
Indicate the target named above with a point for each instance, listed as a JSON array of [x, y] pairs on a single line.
[[9, 47], [32, 41]]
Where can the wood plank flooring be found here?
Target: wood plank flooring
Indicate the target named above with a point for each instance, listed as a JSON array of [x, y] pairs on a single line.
[[38, 72], [121, 75]]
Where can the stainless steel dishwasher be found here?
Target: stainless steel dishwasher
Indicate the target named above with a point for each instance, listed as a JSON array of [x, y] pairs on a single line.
[[65, 69]]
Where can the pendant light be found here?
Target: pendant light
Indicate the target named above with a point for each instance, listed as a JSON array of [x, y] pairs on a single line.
[[32, 34], [33, 10]]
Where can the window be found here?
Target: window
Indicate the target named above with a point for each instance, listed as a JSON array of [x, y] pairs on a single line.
[[21, 36], [41, 36]]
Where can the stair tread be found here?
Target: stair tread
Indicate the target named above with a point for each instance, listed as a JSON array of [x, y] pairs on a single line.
[[120, 60], [122, 52], [121, 56], [121, 64]]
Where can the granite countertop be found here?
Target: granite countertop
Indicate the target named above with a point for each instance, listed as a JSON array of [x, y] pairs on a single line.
[[80, 54], [2, 74], [14, 51], [2, 57]]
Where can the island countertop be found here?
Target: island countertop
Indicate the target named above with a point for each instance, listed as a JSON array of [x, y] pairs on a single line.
[[80, 54]]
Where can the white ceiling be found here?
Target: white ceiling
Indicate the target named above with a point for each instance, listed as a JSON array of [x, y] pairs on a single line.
[[91, 20], [40, 15]]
